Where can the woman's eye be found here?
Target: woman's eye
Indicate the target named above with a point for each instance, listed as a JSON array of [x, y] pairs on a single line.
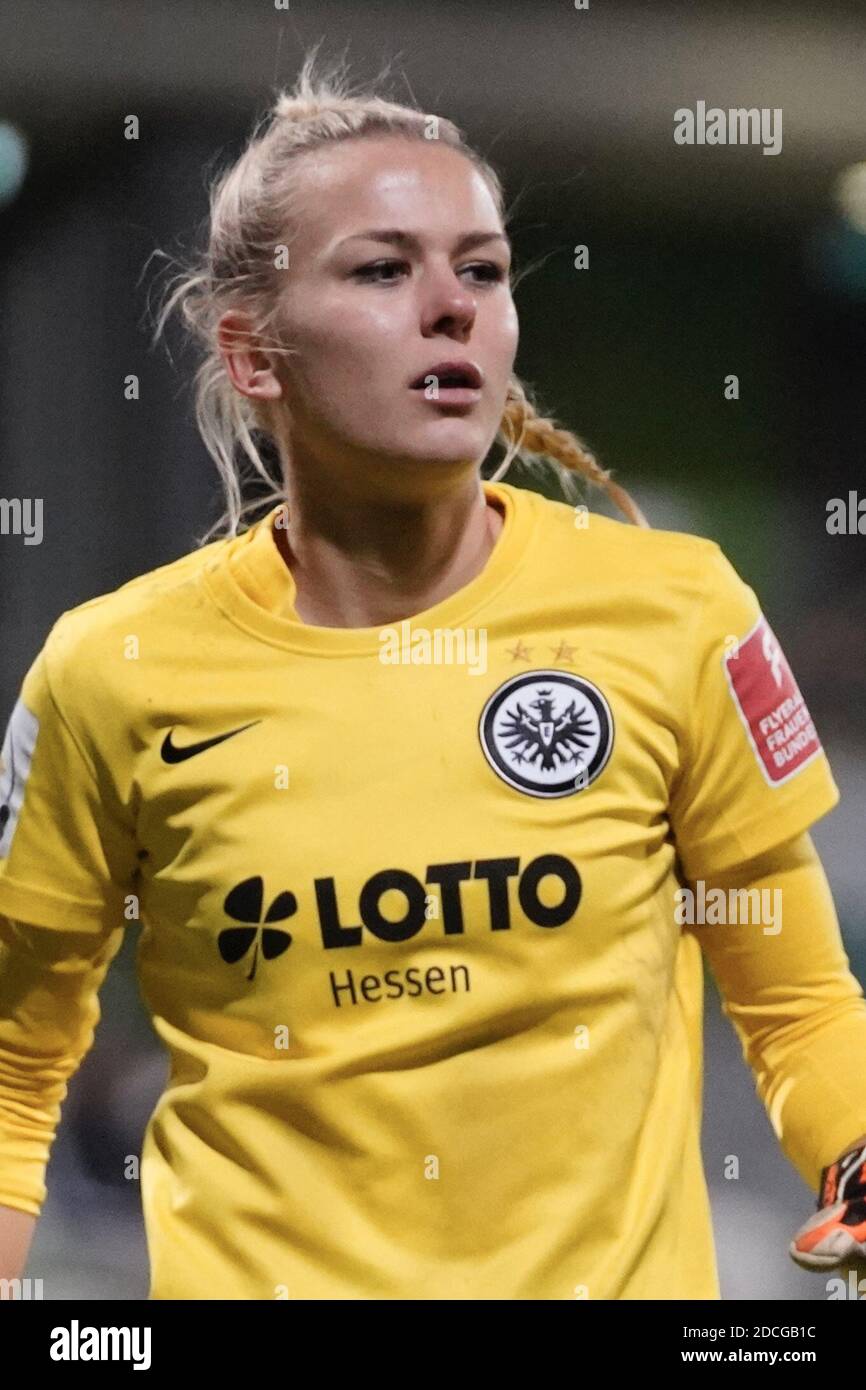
[[381, 272], [371, 271], [489, 270]]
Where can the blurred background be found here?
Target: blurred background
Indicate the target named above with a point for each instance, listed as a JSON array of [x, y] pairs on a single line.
[[705, 261]]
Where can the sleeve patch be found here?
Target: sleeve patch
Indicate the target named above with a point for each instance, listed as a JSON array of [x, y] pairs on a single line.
[[768, 699], [15, 760]]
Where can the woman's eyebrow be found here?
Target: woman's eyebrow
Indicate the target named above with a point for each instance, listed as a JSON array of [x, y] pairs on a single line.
[[395, 237]]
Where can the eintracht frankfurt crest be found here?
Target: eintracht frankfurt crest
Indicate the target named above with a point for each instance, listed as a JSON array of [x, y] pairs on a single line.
[[547, 733]]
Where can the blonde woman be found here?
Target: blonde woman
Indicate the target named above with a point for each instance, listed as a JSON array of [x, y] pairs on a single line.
[[420, 786]]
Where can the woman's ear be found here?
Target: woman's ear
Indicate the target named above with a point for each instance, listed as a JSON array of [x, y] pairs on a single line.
[[247, 364]]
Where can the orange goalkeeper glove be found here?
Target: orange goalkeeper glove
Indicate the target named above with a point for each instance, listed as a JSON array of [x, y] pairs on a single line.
[[837, 1233]]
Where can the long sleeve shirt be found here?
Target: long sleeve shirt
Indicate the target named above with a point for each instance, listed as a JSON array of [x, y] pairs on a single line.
[[413, 925]]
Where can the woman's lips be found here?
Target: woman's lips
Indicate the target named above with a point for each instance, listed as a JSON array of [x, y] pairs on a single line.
[[450, 395]]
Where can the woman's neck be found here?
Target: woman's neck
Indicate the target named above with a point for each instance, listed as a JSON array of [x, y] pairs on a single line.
[[390, 561]]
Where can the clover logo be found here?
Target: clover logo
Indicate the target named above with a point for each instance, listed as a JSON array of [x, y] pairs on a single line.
[[244, 903]]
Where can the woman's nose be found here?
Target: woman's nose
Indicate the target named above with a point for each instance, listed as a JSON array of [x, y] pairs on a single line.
[[448, 307]]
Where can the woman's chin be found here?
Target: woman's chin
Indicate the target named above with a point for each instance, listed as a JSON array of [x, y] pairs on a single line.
[[452, 441]]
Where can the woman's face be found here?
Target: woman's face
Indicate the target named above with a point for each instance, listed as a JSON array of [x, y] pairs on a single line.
[[366, 313]]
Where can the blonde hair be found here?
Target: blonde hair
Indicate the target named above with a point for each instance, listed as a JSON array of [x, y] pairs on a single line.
[[251, 206]]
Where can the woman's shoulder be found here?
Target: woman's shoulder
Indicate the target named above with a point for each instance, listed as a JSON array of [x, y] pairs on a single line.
[[159, 593], [626, 553], [95, 652]]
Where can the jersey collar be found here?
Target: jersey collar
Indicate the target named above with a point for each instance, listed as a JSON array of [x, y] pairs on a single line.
[[253, 586]]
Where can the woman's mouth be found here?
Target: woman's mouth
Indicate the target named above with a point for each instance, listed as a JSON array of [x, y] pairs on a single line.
[[453, 383]]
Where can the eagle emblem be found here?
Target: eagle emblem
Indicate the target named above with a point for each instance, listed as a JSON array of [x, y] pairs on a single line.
[[547, 733]]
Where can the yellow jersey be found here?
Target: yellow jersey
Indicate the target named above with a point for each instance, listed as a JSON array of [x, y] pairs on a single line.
[[408, 904]]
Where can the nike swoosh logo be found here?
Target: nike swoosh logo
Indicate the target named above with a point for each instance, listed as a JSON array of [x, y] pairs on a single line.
[[172, 754]]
